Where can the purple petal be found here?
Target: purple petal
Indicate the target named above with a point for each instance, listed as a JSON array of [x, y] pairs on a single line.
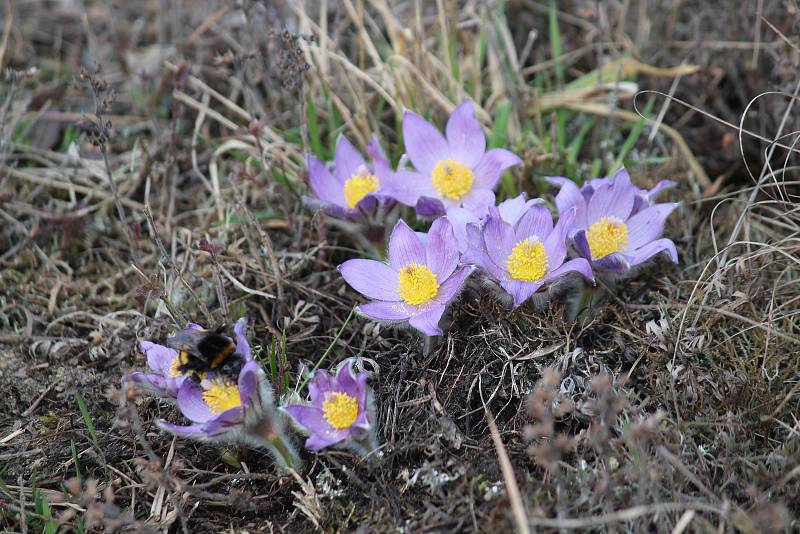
[[186, 431], [499, 240], [429, 207], [373, 279], [334, 210], [492, 165], [513, 209], [367, 205], [582, 244], [249, 378], [578, 265], [425, 145], [159, 357], [376, 153], [323, 183], [348, 160], [536, 222], [310, 417], [349, 384], [386, 311], [319, 386], [570, 196], [659, 188], [555, 243], [648, 224], [478, 201], [191, 403], [441, 250], [465, 136], [403, 186], [157, 384], [460, 218], [614, 199], [317, 442], [240, 333], [427, 321], [452, 286], [520, 290], [613, 263], [223, 422], [655, 247], [405, 247]]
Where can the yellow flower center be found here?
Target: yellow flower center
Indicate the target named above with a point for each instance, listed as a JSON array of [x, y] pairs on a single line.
[[358, 186], [527, 261], [340, 410], [174, 370], [417, 284], [452, 179], [222, 396], [606, 236]]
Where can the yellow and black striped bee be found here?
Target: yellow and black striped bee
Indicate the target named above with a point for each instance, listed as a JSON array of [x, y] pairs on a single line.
[[202, 351]]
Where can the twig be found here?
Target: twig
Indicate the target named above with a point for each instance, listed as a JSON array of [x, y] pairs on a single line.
[[626, 514], [514, 496]]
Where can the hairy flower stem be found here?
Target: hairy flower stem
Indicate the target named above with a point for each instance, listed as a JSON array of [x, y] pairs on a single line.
[[278, 445]]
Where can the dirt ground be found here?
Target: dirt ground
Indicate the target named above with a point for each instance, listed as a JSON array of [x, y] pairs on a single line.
[[137, 137]]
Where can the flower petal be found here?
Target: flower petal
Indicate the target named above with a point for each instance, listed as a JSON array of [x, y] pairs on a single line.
[[582, 244], [441, 250], [427, 321], [578, 265], [323, 183], [648, 224], [240, 333], [348, 160], [159, 357], [465, 136], [556, 242], [373, 279], [319, 386], [317, 442], [570, 196], [334, 210], [348, 383], [519, 290], [655, 247], [249, 378], [499, 240], [405, 247], [614, 199], [425, 145], [478, 201], [195, 431], [452, 286], [386, 311], [191, 403], [613, 263], [536, 222], [403, 186], [429, 207], [659, 188], [310, 417], [512, 209], [492, 165], [460, 218]]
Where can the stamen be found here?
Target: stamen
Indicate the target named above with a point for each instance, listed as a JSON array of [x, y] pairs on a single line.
[[222, 396], [340, 410], [358, 186], [606, 236], [528, 260], [452, 179], [416, 284]]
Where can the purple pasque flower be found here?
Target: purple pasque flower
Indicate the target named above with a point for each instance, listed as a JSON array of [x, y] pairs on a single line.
[[609, 231], [421, 278], [240, 409], [456, 170], [644, 198], [526, 255], [354, 188], [510, 210], [340, 410], [165, 379]]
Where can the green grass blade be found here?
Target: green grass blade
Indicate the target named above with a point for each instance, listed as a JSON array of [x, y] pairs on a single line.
[[314, 136], [75, 458], [330, 347], [636, 131], [87, 419], [555, 43]]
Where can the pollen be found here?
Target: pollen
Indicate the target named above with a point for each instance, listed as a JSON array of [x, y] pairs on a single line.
[[358, 186], [222, 396], [340, 410], [452, 179], [417, 284], [174, 367], [606, 236], [527, 261]]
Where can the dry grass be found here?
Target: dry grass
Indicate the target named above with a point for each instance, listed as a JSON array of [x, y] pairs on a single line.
[[671, 407]]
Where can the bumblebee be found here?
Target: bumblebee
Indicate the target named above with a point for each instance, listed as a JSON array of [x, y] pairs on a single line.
[[201, 351]]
